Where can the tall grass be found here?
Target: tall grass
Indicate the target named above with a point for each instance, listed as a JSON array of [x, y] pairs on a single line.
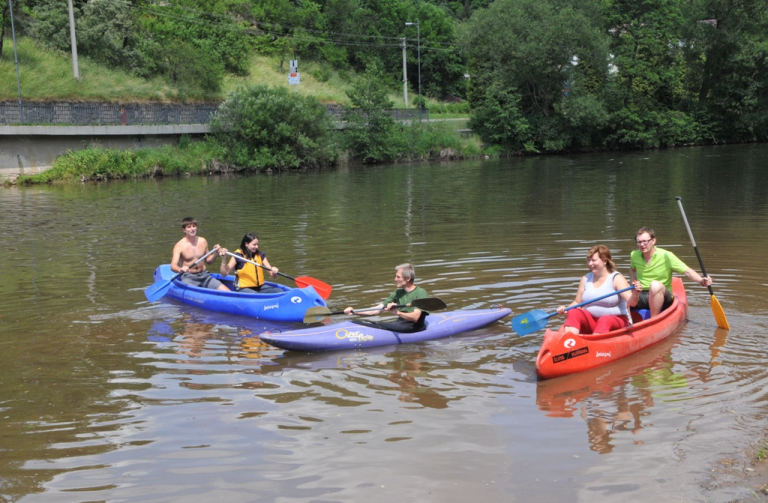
[[46, 75], [104, 164]]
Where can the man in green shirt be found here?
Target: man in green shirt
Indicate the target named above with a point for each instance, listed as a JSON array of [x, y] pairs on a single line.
[[409, 319], [653, 267]]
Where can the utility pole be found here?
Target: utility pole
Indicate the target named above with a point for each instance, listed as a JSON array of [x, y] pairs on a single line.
[[418, 38], [16, 60], [75, 69], [405, 77]]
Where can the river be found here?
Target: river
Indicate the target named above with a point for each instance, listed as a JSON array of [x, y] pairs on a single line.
[[105, 397]]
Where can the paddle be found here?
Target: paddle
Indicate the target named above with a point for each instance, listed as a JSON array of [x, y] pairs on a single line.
[[315, 314], [717, 309], [322, 289], [537, 319], [160, 288]]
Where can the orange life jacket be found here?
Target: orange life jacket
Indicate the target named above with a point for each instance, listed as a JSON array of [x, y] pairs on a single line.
[[248, 275]]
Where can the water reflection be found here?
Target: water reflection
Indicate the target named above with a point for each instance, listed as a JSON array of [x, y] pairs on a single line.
[[105, 397], [613, 398]]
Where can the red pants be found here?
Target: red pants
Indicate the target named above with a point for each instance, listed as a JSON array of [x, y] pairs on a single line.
[[585, 323]]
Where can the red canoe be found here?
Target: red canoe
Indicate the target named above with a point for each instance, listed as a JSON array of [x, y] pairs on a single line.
[[564, 353]]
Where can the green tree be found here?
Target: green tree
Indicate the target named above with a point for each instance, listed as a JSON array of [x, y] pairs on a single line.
[[371, 134], [271, 128], [727, 56], [498, 120], [645, 43], [542, 67], [51, 23], [106, 33]]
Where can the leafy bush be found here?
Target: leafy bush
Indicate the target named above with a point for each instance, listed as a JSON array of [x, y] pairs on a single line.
[[499, 121], [449, 108], [371, 135], [322, 74], [261, 127], [94, 163]]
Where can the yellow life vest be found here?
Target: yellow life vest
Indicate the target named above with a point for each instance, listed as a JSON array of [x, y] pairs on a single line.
[[249, 276]]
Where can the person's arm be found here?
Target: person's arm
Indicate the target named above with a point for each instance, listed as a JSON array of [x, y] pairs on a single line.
[[630, 297], [272, 270], [227, 267], [413, 316], [696, 277], [351, 311], [577, 300], [210, 259], [176, 260]]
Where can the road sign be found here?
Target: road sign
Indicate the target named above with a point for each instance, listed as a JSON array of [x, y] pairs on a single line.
[[294, 65], [293, 78]]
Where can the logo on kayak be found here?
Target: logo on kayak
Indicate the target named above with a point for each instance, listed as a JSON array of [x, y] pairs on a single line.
[[355, 336], [603, 354], [571, 354], [273, 306], [569, 343], [295, 300]]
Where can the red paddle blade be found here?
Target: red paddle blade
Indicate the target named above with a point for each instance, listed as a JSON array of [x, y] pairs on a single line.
[[322, 289]]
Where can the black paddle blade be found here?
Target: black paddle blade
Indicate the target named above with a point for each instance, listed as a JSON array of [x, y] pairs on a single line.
[[429, 304]]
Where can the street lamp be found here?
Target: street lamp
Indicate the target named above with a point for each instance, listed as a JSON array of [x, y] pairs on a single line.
[[418, 38]]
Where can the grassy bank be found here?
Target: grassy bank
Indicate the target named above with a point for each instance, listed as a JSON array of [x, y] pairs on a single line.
[[46, 75], [105, 164], [422, 143]]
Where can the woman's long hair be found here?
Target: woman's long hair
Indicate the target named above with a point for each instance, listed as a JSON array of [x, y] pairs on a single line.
[[247, 239]]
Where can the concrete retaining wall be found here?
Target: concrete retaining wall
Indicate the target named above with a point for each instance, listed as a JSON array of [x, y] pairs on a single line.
[[28, 150]]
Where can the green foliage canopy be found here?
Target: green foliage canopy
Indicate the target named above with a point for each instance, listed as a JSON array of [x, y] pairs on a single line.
[[271, 128]]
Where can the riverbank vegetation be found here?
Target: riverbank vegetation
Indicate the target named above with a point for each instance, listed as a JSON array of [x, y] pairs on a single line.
[[264, 129], [537, 75], [95, 163]]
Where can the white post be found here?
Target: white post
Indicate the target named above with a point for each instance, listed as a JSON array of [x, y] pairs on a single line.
[[405, 77], [75, 69]]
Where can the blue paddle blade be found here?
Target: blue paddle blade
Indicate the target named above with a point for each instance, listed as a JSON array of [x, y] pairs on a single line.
[[157, 290], [530, 322]]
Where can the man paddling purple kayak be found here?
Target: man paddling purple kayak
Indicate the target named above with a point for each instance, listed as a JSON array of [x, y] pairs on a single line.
[[409, 319]]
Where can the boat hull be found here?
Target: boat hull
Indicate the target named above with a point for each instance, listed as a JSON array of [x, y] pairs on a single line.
[[564, 353], [350, 335], [288, 306]]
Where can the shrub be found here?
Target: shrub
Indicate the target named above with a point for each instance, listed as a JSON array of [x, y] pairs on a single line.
[[371, 135], [261, 127]]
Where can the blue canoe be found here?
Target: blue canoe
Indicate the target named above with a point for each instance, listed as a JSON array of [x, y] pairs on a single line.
[[289, 306], [350, 335]]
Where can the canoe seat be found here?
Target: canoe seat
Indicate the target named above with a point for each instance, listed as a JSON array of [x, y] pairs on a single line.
[[639, 315]]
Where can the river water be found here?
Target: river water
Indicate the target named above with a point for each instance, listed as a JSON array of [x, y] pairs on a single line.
[[105, 397]]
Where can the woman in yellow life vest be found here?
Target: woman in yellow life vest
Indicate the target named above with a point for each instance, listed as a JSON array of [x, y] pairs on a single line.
[[248, 276]]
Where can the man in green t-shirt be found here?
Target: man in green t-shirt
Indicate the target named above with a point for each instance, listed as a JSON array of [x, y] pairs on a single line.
[[409, 319], [653, 267]]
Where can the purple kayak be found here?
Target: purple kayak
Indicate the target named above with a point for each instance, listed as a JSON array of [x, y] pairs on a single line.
[[350, 335]]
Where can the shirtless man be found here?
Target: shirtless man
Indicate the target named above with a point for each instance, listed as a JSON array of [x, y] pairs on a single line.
[[188, 250]]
